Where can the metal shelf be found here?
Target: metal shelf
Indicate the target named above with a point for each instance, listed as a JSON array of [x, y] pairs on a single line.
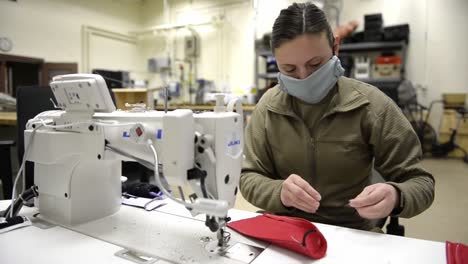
[[381, 80], [271, 75], [264, 53], [366, 46]]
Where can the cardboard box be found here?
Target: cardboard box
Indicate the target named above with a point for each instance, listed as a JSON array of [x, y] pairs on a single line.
[[448, 123], [454, 100], [133, 96]]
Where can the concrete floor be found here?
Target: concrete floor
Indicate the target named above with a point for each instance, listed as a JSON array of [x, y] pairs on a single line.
[[447, 218]]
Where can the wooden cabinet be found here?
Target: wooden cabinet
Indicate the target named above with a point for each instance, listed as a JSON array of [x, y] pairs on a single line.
[[26, 71], [17, 71]]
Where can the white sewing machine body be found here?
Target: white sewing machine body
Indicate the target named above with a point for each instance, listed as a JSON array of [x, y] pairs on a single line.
[[75, 185], [78, 158]]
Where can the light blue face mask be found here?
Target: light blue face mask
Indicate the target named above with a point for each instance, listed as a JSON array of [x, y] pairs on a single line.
[[316, 86]]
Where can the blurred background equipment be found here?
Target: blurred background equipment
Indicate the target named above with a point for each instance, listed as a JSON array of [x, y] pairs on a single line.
[[377, 55], [397, 33], [7, 102], [192, 46], [373, 28], [452, 140], [159, 64], [204, 87], [362, 67], [173, 90], [114, 79], [387, 67]]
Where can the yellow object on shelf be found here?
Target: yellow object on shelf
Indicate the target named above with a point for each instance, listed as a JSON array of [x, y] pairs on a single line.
[[454, 100], [8, 118], [448, 123]]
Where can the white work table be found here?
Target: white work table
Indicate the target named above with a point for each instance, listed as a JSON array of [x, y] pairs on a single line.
[[170, 233]]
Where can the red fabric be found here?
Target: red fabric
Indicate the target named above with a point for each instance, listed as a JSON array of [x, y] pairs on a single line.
[[456, 253], [296, 234]]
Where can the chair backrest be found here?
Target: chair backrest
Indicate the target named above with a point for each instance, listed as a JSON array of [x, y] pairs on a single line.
[[30, 101]]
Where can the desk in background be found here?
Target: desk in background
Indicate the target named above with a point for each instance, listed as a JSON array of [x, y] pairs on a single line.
[[246, 108], [8, 118]]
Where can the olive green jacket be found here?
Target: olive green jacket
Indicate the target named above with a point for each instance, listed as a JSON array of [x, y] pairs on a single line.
[[361, 129]]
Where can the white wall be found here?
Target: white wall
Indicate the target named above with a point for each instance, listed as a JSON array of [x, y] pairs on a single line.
[[51, 29], [447, 46], [267, 11]]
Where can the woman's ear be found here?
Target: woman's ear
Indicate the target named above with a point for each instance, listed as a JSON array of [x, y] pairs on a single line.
[[336, 44]]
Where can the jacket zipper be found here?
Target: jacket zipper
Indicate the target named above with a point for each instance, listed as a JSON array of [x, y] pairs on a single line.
[[312, 146], [310, 143], [310, 155]]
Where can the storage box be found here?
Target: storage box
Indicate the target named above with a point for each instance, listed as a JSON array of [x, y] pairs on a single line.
[[454, 100], [387, 67], [373, 35], [397, 33], [362, 67], [373, 22], [133, 96]]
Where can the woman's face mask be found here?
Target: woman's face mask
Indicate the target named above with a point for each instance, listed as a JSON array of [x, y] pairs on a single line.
[[316, 86]]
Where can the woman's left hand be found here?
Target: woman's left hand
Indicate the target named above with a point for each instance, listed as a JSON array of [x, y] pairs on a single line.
[[376, 201]]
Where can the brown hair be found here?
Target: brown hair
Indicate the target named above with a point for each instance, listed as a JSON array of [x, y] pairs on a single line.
[[299, 19]]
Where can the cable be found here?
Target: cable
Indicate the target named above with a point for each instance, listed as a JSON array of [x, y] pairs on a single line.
[[105, 124], [96, 121], [41, 121], [157, 177], [23, 198], [126, 154], [21, 169]]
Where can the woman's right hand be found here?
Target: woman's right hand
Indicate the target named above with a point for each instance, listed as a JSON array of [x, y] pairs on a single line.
[[298, 193]]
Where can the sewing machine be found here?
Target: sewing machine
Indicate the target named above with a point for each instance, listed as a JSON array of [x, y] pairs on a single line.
[[78, 151]]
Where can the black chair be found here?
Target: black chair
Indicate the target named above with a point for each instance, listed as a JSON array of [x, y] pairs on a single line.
[[30, 101], [393, 227], [5, 167]]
